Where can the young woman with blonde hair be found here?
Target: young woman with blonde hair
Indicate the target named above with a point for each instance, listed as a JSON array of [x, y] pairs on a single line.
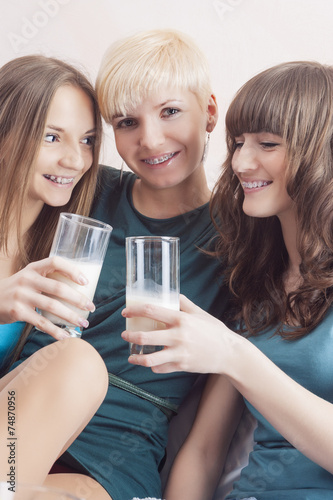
[[154, 90], [273, 207]]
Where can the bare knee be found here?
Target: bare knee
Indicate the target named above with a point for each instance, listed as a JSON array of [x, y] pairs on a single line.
[[85, 366], [72, 364]]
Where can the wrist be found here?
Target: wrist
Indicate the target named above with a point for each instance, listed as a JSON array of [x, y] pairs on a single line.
[[237, 357]]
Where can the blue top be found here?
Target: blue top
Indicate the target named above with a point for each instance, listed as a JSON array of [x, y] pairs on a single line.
[[123, 445], [9, 336], [276, 470]]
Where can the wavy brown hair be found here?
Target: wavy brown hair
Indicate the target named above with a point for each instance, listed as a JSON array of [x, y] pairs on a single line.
[[295, 101], [27, 87]]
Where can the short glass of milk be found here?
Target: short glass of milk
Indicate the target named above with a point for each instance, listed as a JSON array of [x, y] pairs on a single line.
[[84, 242]]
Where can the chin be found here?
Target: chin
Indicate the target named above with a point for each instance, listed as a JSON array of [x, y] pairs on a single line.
[[57, 203]]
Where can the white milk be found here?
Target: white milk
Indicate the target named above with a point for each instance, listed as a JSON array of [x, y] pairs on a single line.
[[147, 324], [171, 301], [91, 271]]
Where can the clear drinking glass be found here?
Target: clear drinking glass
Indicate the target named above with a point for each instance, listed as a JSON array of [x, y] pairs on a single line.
[[84, 242], [152, 277], [30, 492]]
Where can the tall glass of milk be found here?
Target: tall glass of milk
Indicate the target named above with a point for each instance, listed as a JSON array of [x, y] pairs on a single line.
[[84, 242], [152, 277]]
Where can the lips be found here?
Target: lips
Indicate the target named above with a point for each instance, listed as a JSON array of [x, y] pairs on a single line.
[[160, 159], [59, 180]]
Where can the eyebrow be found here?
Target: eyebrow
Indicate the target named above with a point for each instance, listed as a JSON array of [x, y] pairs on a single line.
[[130, 113], [59, 129], [170, 100]]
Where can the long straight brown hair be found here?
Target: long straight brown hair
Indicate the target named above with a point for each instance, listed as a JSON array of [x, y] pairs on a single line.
[[295, 101], [27, 87]]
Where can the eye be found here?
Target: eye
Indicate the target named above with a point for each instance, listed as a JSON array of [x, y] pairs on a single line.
[[89, 140], [170, 111], [238, 144], [50, 138], [125, 123], [269, 145]]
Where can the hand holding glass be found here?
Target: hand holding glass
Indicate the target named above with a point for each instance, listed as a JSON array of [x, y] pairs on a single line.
[[152, 277], [84, 242]]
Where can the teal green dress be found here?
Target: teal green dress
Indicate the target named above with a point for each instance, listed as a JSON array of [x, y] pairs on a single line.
[[123, 446], [276, 470]]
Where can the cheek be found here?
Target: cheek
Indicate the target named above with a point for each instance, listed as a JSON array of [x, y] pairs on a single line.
[[122, 145], [234, 164], [195, 139], [88, 160]]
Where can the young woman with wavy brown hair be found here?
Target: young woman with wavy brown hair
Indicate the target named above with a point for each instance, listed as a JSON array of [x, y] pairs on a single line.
[[273, 208]]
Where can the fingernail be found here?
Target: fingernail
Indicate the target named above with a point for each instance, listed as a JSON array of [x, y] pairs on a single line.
[[84, 323], [83, 280], [90, 306]]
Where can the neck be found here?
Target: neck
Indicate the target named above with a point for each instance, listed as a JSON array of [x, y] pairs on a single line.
[[170, 202], [289, 232], [29, 215]]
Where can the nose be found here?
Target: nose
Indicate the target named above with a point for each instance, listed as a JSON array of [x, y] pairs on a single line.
[[72, 157], [245, 159], [151, 134]]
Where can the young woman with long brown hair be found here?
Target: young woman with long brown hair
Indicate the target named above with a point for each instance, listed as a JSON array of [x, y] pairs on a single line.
[[50, 133], [273, 207]]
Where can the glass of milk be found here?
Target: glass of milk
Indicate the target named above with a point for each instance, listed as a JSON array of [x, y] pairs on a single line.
[[84, 242], [152, 277]]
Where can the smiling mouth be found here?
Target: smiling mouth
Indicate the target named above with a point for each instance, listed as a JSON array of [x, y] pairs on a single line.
[[161, 159], [59, 180], [255, 184]]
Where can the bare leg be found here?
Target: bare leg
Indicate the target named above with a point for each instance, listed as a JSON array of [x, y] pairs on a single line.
[[49, 398], [79, 485]]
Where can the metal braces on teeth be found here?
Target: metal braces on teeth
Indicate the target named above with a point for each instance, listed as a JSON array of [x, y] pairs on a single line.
[[254, 184], [156, 161], [59, 180]]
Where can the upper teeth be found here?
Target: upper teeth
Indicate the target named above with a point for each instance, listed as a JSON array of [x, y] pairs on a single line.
[[254, 184], [156, 161], [60, 180]]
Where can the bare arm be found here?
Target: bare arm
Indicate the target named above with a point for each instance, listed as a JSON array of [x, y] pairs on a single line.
[[195, 341], [200, 461], [23, 292]]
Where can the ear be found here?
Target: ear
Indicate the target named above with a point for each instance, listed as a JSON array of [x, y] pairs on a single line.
[[212, 113]]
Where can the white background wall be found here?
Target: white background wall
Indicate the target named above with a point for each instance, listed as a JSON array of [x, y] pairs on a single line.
[[239, 37]]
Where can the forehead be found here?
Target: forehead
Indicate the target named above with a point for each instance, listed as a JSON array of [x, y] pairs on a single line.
[[157, 99], [71, 105]]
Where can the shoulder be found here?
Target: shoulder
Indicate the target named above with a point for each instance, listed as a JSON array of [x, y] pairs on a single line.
[[110, 178], [107, 175], [111, 189], [109, 183]]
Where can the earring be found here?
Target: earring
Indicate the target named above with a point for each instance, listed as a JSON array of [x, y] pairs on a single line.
[[205, 152]]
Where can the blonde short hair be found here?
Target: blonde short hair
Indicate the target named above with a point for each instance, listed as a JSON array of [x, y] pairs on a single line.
[[134, 66]]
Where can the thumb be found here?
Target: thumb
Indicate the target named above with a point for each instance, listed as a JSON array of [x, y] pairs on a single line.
[[187, 306]]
